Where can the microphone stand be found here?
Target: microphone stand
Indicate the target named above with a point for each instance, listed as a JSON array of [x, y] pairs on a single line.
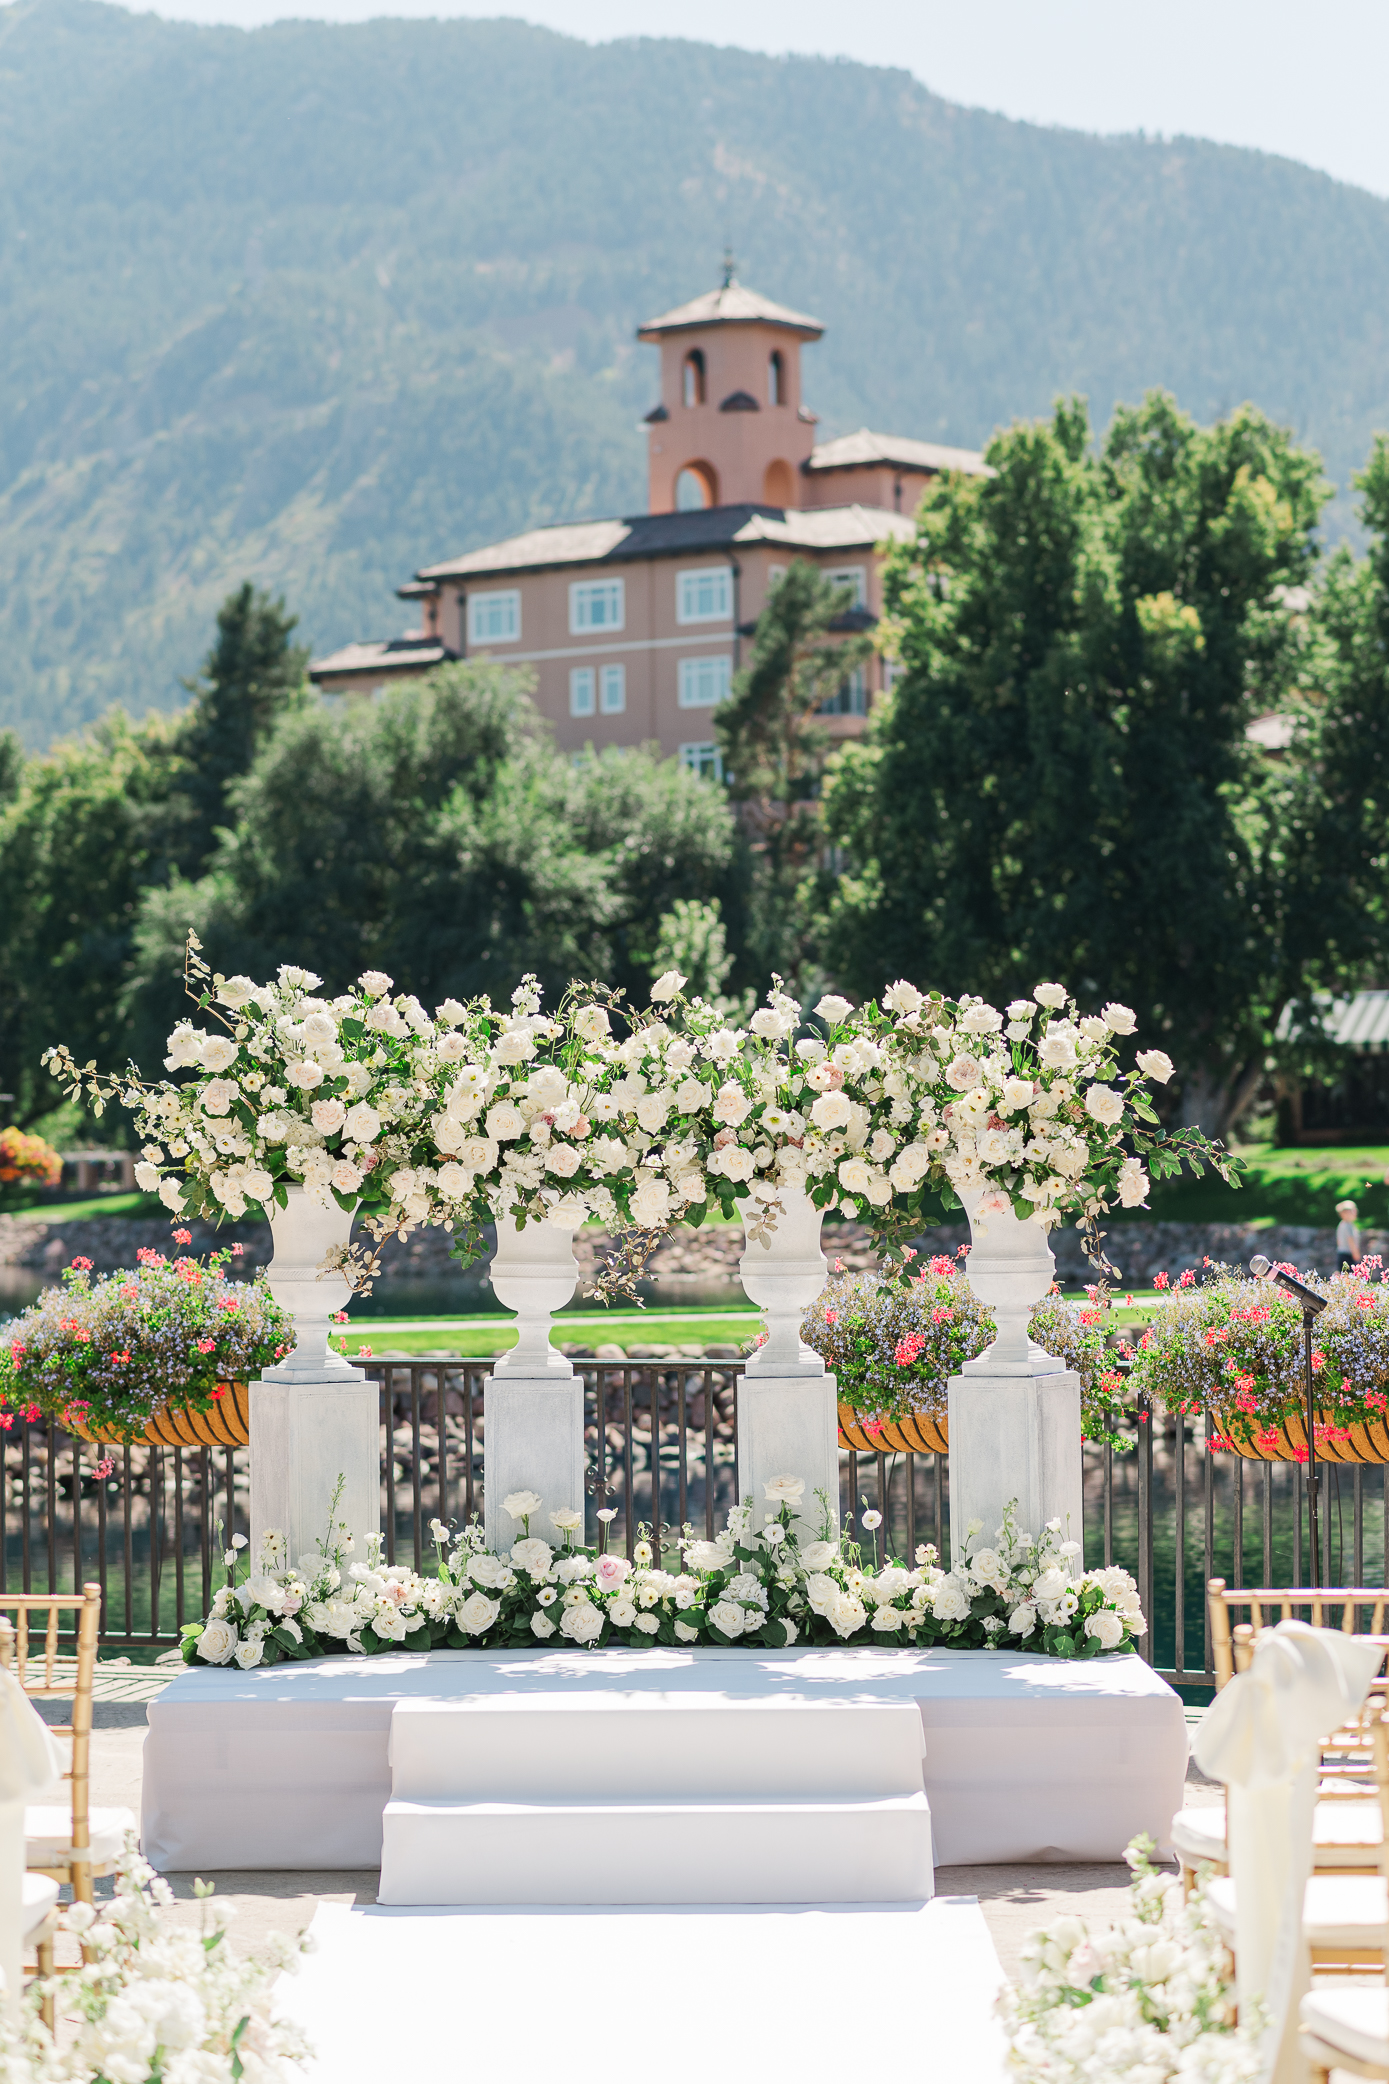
[[1312, 1307]]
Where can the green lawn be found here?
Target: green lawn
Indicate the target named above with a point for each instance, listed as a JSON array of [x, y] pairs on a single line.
[[98, 1205], [475, 1338]]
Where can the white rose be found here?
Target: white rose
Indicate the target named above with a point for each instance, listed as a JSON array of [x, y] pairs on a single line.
[[834, 1009], [1122, 1019], [361, 1124], [219, 1053], [650, 1202], [533, 1555], [1017, 1092], [542, 1626], [783, 1490], [728, 1617], [453, 1181], [171, 1194], [1022, 1620], [622, 1612], [902, 997], [327, 1116], [520, 1505], [831, 1111], [1050, 994], [569, 1212], [592, 1023], [733, 1161], [582, 1623], [1107, 1627], [847, 1615], [217, 1642], [606, 1154], [375, 983], [731, 1105], [236, 991], [1155, 1063], [1133, 1184], [258, 1183], [854, 1176], [667, 985], [563, 1160], [1057, 1050], [477, 1613], [217, 1096], [652, 1109], [981, 1020], [963, 1072], [1105, 1104], [819, 1555], [305, 1075], [505, 1122], [147, 1177]]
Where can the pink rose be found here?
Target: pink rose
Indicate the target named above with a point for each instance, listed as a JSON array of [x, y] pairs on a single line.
[[611, 1571]]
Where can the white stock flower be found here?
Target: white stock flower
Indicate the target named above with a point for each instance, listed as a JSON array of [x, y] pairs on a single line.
[[1155, 1063], [667, 985]]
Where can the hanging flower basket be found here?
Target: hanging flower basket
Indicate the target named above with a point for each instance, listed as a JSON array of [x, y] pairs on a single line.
[[1285, 1439], [227, 1424], [916, 1432]]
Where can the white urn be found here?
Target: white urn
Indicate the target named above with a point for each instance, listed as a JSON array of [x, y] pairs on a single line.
[[533, 1272], [533, 1401], [1010, 1266]]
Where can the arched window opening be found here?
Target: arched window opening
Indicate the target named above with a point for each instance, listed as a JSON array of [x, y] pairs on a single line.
[[694, 377], [776, 379], [696, 486], [779, 484]]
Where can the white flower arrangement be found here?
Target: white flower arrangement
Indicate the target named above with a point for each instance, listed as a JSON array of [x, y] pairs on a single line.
[[758, 1585], [156, 2003], [1149, 1997]]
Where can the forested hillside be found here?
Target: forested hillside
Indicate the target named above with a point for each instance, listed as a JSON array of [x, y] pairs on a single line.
[[315, 304]]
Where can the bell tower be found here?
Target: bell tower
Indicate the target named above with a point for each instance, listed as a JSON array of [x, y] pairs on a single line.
[[730, 429]]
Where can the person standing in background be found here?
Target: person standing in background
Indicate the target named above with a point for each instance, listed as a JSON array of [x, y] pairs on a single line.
[[1347, 1236]]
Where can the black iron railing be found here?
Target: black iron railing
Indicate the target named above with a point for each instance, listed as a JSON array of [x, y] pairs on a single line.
[[661, 1448]]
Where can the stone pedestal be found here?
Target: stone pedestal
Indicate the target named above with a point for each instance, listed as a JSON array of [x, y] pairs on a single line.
[[314, 1417], [532, 1402], [788, 1421], [1014, 1436]]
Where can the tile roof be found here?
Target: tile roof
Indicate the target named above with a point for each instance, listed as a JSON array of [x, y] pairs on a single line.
[[406, 652], [852, 451], [731, 305], [677, 535]]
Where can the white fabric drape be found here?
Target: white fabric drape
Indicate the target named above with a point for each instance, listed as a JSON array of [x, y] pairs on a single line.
[[31, 1759], [1262, 1737]]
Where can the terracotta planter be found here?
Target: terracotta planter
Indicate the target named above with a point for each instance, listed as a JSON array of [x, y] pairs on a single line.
[[227, 1424], [1366, 1443], [921, 1433]]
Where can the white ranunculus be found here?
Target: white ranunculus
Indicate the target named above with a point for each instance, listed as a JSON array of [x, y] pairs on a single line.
[[667, 985], [1105, 1104], [1155, 1063], [533, 1555], [650, 1202], [327, 1116], [1107, 1627], [582, 1623], [505, 1122], [728, 1617], [477, 1613], [1050, 995], [834, 1009], [963, 1072], [217, 1642], [831, 1111], [520, 1505]]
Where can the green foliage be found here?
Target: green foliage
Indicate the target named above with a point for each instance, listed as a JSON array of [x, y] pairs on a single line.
[[252, 676], [390, 314], [1061, 785]]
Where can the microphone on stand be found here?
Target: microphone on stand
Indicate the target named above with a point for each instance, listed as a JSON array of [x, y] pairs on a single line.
[[1312, 1306]]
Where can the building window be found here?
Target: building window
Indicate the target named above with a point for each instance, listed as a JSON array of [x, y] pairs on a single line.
[[852, 575], [703, 759], [776, 378], [613, 683], [704, 682], [494, 618], [693, 391], [596, 605], [696, 486], [581, 681], [851, 698], [704, 596]]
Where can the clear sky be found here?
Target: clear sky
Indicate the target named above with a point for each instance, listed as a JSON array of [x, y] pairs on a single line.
[[1306, 81]]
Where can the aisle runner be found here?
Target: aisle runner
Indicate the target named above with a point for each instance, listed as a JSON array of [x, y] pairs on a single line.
[[591, 1996]]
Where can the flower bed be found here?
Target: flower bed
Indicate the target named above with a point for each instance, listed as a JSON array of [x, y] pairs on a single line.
[[110, 1353], [894, 1344], [755, 1586], [1231, 1348], [1150, 1997], [156, 2003], [27, 1160]]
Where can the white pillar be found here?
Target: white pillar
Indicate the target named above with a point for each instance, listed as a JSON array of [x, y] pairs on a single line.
[[314, 1417], [788, 1420], [533, 1401], [1015, 1409]]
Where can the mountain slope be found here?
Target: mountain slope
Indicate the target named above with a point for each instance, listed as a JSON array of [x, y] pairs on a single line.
[[318, 303]]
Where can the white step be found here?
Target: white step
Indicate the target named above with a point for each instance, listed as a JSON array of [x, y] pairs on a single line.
[[693, 1851], [573, 1745]]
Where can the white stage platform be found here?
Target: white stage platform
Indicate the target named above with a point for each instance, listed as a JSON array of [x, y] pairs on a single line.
[[1028, 1758], [682, 1994]]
